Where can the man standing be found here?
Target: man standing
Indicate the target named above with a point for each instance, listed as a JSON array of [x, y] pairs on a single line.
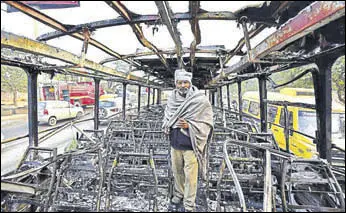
[[189, 122]]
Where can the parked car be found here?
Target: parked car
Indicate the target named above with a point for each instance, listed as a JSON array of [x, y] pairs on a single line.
[[52, 111], [110, 106]]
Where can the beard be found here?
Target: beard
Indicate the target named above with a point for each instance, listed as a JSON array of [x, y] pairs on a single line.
[[183, 91]]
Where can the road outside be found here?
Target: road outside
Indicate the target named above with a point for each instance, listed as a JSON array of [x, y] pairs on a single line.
[[15, 126]]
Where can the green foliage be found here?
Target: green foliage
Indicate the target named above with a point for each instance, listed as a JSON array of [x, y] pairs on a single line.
[[13, 79], [338, 78], [250, 85], [285, 76]]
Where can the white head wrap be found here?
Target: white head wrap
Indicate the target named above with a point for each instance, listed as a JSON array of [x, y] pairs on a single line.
[[182, 75]]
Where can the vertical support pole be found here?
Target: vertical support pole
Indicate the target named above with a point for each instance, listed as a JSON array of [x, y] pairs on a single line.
[[96, 106], [323, 99], [158, 100], [209, 93], [243, 21], [153, 96], [228, 98], [213, 98], [267, 195], [221, 101], [217, 100], [148, 97], [287, 128], [32, 106], [262, 82], [124, 101], [240, 101], [139, 99]]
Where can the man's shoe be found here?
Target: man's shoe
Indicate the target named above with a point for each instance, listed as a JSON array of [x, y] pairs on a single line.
[[173, 208], [188, 210], [176, 200]]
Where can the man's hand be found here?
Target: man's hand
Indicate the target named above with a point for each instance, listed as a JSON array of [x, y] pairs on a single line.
[[182, 124]]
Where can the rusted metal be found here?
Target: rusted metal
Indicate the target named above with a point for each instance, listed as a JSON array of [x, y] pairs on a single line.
[[262, 84], [32, 107], [193, 9], [59, 26], [74, 71], [126, 14], [167, 52], [323, 99], [309, 19], [240, 100], [124, 101], [86, 34], [17, 187], [241, 43], [243, 21], [132, 170], [282, 185], [312, 17], [257, 30], [97, 103], [235, 178], [267, 195], [12, 41], [228, 97], [148, 19], [166, 15]]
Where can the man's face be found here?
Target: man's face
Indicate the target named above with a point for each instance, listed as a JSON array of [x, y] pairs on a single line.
[[183, 86]]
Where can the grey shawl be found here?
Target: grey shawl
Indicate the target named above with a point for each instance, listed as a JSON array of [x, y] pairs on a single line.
[[198, 113]]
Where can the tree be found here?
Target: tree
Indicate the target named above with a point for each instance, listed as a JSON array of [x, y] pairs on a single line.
[[287, 75], [338, 78], [13, 80]]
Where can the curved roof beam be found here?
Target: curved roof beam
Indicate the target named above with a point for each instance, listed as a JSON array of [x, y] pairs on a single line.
[[20, 43], [137, 20], [37, 15], [127, 14], [312, 17], [193, 9], [255, 31], [167, 52], [166, 15]]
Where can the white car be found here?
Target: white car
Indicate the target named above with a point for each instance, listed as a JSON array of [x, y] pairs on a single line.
[[110, 106], [52, 111]]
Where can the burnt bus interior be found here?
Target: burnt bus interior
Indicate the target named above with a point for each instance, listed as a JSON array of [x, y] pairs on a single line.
[[127, 166]]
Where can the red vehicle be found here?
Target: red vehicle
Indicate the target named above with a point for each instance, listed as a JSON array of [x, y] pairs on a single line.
[[77, 93]]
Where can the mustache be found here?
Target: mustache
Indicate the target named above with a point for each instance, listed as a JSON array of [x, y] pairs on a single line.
[[183, 90]]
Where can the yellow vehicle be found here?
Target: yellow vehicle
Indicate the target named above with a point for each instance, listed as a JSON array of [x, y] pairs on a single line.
[[108, 96], [301, 120]]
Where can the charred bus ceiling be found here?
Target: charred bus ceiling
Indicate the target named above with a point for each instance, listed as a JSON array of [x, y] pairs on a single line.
[[303, 48], [307, 32]]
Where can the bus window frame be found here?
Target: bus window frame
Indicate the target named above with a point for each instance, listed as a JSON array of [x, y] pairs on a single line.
[[282, 119]]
